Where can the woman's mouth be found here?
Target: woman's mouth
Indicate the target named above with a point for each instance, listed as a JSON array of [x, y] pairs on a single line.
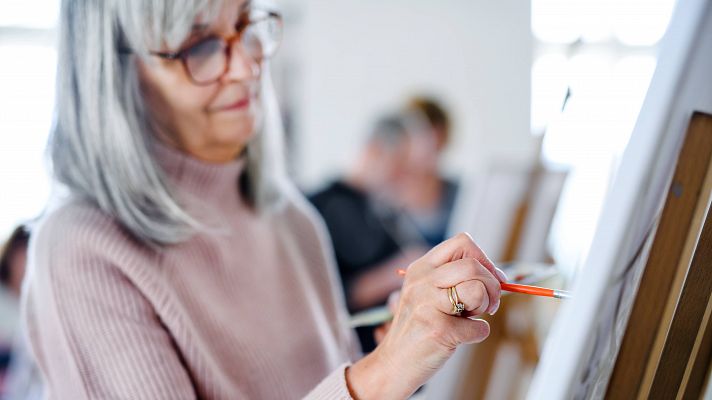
[[238, 105]]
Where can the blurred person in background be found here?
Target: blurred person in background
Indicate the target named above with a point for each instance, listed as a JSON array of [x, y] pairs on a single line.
[[20, 379], [13, 256], [371, 237], [181, 262], [423, 192], [13, 259]]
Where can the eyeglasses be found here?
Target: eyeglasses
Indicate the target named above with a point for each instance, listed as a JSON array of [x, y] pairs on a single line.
[[259, 33]]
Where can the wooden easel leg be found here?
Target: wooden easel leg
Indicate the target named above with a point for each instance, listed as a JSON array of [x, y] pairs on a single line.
[[659, 290], [479, 371], [689, 325]]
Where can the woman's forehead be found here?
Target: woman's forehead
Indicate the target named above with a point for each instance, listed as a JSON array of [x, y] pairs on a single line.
[[148, 25], [227, 13]]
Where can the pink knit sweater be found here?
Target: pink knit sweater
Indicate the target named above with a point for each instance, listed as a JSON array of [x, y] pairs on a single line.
[[251, 309]]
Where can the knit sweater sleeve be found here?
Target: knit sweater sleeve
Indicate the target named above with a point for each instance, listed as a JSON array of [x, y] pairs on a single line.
[[333, 387], [322, 253], [93, 333]]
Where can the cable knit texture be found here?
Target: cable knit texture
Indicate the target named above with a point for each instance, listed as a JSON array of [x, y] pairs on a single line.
[[249, 309]]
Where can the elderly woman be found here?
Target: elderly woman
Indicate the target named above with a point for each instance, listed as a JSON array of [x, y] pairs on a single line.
[[181, 263]]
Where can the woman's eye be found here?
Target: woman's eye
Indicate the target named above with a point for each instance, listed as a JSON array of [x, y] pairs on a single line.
[[204, 49]]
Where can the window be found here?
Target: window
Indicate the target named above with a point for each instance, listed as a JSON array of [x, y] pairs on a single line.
[[27, 74], [599, 55]]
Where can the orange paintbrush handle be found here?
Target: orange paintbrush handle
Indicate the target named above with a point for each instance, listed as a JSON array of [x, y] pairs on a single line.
[[535, 290], [526, 289]]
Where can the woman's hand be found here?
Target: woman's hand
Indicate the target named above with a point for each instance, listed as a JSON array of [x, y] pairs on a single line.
[[424, 332], [370, 287], [380, 332]]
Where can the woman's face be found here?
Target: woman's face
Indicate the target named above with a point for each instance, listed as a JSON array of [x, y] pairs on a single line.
[[212, 122]]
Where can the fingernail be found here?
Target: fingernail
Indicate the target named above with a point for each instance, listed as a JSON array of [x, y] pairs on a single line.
[[495, 308], [502, 276]]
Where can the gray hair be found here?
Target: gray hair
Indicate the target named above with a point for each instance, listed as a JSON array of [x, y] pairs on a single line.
[[392, 128], [101, 142]]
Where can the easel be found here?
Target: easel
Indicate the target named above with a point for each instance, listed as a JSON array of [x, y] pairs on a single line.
[[482, 363], [483, 358], [667, 347]]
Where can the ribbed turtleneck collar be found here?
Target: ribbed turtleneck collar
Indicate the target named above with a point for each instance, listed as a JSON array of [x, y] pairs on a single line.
[[211, 184]]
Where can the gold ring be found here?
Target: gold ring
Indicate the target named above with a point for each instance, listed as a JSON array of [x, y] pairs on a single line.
[[457, 306]]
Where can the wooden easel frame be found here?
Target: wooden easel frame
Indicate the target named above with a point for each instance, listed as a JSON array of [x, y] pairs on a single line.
[[479, 371], [667, 345]]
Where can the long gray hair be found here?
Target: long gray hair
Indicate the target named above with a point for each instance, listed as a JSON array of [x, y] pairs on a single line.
[[101, 143]]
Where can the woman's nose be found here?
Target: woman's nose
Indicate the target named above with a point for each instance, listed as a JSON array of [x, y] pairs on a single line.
[[241, 66]]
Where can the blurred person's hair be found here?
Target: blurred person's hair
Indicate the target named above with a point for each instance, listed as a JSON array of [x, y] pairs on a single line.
[[19, 239], [101, 142], [434, 112], [391, 128]]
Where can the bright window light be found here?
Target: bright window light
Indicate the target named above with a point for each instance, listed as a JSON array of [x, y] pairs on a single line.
[[631, 77], [581, 131], [549, 83], [40, 14], [641, 22], [606, 96], [589, 138], [27, 76], [594, 19], [632, 22], [607, 86], [553, 22]]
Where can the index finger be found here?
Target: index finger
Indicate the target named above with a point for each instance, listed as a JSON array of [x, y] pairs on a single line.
[[458, 247]]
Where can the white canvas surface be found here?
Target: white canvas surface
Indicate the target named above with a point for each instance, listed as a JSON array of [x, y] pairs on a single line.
[[581, 348]]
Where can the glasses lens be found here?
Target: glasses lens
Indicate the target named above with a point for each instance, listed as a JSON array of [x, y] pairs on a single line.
[[262, 36], [206, 60]]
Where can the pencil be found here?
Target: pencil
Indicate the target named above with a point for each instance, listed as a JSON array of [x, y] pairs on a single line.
[[524, 289]]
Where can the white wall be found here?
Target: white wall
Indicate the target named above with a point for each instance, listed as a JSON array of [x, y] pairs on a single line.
[[354, 59]]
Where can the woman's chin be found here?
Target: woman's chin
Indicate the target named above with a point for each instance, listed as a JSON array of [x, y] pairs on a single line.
[[239, 131], [235, 141]]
